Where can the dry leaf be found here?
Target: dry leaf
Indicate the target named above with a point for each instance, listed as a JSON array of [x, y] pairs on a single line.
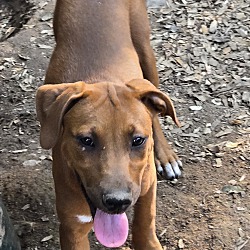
[[242, 178], [236, 122], [47, 17], [44, 46], [223, 133], [47, 238], [231, 189], [232, 145], [27, 206]]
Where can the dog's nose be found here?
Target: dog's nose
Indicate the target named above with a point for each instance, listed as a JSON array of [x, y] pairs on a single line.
[[117, 202]]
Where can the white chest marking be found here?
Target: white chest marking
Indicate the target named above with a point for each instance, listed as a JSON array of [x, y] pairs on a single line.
[[84, 218]]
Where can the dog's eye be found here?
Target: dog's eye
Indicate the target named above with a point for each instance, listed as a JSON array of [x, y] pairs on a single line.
[[86, 141], [138, 141]]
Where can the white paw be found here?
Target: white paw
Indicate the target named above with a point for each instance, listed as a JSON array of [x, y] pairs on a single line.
[[170, 170]]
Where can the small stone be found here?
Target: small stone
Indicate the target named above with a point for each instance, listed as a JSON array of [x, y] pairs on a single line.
[[30, 163], [8, 239], [233, 45], [204, 29], [207, 131], [181, 244], [246, 96], [46, 17], [242, 178], [240, 209], [195, 108], [213, 26], [45, 218], [242, 32], [240, 16], [232, 182], [219, 155], [218, 163], [213, 62], [226, 50]]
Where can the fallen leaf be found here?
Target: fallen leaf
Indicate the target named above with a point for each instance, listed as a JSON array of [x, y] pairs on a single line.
[[236, 122], [223, 133], [47, 238], [25, 58], [242, 32], [231, 145], [241, 232], [47, 17], [19, 151], [163, 232], [231, 189], [242, 178], [213, 148], [44, 46], [27, 206]]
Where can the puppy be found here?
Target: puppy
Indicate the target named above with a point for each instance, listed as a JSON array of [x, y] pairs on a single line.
[[100, 117]]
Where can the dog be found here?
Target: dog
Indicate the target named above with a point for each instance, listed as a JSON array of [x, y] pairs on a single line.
[[98, 112]]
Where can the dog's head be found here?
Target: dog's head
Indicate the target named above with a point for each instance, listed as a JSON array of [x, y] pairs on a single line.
[[104, 132]]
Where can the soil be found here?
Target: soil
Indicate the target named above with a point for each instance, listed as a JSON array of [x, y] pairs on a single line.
[[208, 208]]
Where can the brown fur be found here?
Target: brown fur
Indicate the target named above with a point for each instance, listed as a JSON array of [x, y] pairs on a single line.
[[101, 46]]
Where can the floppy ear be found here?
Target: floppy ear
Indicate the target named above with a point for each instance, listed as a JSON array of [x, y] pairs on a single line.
[[52, 101], [153, 98]]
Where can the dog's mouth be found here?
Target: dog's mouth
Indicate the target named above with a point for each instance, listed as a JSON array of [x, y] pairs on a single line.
[[110, 229]]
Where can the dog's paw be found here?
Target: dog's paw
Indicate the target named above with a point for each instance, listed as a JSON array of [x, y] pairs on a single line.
[[169, 166]]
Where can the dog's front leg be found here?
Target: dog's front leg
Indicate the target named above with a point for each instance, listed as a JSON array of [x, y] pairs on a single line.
[[75, 235], [167, 162], [143, 230]]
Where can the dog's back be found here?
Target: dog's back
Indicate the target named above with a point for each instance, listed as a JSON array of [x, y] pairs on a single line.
[[98, 46]]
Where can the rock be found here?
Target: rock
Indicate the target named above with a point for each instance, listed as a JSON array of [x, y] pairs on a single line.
[[8, 238], [213, 26], [30, 163]]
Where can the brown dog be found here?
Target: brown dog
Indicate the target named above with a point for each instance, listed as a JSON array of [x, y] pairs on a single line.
[[102, 125]]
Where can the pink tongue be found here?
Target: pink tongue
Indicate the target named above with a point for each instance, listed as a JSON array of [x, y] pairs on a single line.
[[111, 229]]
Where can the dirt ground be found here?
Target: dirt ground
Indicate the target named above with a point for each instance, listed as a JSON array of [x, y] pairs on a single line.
[[203, 55]]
